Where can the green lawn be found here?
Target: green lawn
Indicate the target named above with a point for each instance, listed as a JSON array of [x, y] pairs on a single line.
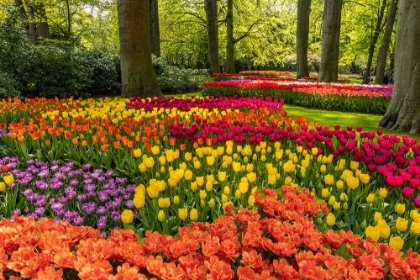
[[367, 121]]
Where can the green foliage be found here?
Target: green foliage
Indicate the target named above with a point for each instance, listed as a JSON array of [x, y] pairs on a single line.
[[8, 86], [172, 79]]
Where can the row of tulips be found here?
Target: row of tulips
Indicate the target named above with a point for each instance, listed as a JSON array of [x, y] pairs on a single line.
[[219, 157], [276, 240], [344, 97]]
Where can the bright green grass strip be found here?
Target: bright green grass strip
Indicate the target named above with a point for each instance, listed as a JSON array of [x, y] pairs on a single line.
[[367, 121]]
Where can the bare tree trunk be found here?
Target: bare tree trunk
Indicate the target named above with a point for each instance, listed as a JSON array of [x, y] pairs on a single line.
[[383, 50], [34, 21], [154, 27], [302, 34], [230, 46], [138, 76], [403, 113], [378, 28], [212, 34], [328, 71]]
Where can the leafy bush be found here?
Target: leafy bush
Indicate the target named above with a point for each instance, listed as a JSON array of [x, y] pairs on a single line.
[[7, 86], [172, 79]]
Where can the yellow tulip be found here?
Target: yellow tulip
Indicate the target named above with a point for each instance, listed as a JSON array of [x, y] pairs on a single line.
[[224, 198], [272, 179], [323, 168], [210, 160], [329, 179], [243, 187], [193, 186], [155, 150], [161, 216], [211, 203], [383, 192], [226, 190], [136, 153], [200, 181], [237, 194], [2, 186], [162, 160], [354, 165], [209, 186], [249, 168], [236, 166], [330, 219], [188, 175], [197, 164], [203, 194], [188, 156], [401, 224], [142, 167], [325, 192], [336, 206], [396, 242], [331, 200], [152, 191], [251, 176], [288, 181], [373, 232], [415, 228], [352, 182], [183, 213], [289, 167], [161, 202], [221, 175], [345, 206], [400, 208], [377, 216], [127, 216], [314, 151], [339, 184], [251, 200], [193, 214], [370, 198], [364, 178], [176, 200], [139, 200], [346, 173], [299, 149], [384, 229]]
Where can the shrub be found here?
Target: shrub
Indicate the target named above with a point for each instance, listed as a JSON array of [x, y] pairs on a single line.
[[8, 86]]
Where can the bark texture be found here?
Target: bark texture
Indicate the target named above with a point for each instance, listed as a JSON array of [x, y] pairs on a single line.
[[328, 71], [403, 113], [138, 76], [230, 45], [378, 28], [302, 34], [154, 27], [212, 35], [383, 50]]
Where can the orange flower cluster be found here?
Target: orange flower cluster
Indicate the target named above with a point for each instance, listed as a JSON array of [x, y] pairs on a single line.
[[277, 241]]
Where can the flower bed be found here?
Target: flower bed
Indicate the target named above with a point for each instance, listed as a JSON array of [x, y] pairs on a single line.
[[168, 165], [355, 98]]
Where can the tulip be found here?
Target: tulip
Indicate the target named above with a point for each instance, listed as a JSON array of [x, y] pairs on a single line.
[[323, 169], [377, 216], [193, 214], [331, 201], [325, 192], [136, 152], [417, 202], [400, 208], [197, 164], [210, 160], [2, 186], [354, 165], [373, 232], [211, 203], [237, 194], [329, 179], [188, 175], [200, 181], [415, 227], [401, 224], [383, 192], [330, 219], [396, 242], [9, 179], [221, 175], [155, 150], [183, 213], [345, 206], [162, 160], [336, 206], [407, 192], [176, 200], [203, 194], [188, 156], [193, 186], [352, 182], [127, 216], [161, 216], [370, 198], [339, 184], [384, 229]]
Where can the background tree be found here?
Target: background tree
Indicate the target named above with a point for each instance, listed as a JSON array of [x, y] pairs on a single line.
[[403, 113], [302, 34], [330, 41], [154, 27], [138, 76], [34, 20], [378, 28], [386, 40], [212, 34]]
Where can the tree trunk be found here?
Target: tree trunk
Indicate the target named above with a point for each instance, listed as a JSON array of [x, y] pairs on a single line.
[[378, 28], [328, 71], [36, 25], [154, 27], [403, 113], [302, 34], [212, 35], [138, 76], [383, 50], [230, 46]]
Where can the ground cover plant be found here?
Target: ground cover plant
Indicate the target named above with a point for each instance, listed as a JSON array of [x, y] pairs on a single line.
[[341, 97], [204, 187]]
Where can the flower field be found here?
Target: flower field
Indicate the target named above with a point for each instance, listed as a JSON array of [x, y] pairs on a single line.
[[341, 97], [201, 188]]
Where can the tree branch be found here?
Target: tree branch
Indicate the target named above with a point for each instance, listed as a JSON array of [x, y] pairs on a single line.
[[246, 34]]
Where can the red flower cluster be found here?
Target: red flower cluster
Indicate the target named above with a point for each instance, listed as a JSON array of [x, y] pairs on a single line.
[[277, 241]]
